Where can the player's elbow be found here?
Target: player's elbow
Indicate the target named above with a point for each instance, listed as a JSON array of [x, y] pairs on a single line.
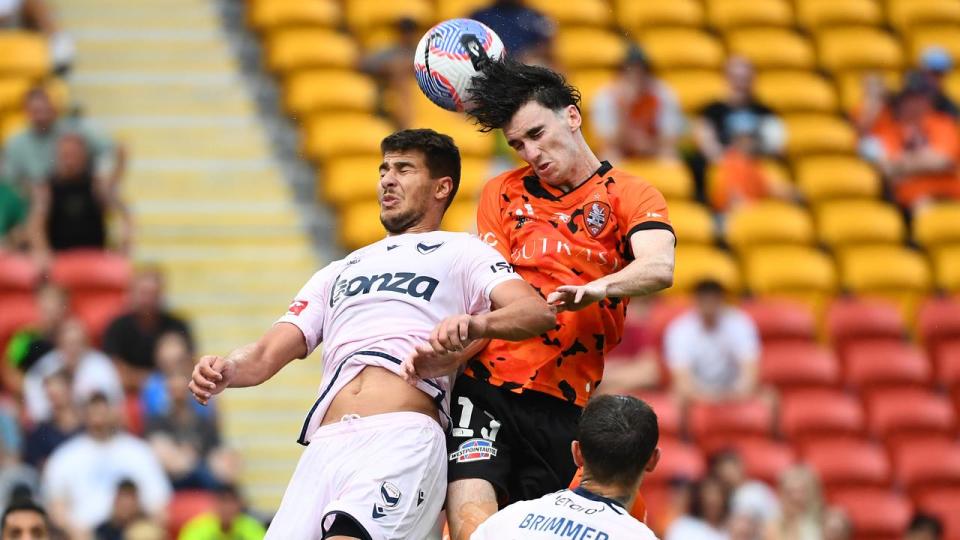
[[541, 317], [662, 277]]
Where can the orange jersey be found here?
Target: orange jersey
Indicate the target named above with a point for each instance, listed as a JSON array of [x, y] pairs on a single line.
[[554, 238]]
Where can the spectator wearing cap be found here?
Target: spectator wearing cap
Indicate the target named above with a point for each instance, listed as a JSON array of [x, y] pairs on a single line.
[[637, 115], [936, 63], [527, 34], [227, 521]]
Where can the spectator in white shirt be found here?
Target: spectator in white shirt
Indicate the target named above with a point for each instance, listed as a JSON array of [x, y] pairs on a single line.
[[747, 497], [712, 350], [81, 476], [707, 516]]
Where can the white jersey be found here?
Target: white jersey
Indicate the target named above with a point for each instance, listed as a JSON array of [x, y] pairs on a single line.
[[375, 306], [573, 514]]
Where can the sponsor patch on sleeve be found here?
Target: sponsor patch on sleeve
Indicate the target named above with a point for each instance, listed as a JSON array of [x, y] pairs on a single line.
[[474, 450], [297, 306]]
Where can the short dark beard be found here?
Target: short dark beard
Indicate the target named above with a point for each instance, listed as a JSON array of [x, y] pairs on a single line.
[[401, 223]]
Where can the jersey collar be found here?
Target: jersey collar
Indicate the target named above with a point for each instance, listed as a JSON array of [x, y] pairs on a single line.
[[616, 505], [535, 187]]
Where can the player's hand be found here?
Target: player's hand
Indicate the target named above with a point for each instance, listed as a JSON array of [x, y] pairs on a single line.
[[426, 363], [211, 376], [576, 297], [453, 334]]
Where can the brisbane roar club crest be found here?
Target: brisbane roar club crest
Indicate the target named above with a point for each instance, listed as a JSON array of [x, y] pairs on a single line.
[[595, 216]]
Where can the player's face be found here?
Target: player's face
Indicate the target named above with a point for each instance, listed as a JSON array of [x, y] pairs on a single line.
[[25, 525], [545, 140], [404, 190]]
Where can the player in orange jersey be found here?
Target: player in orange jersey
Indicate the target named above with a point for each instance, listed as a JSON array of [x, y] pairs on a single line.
[[587, 236]]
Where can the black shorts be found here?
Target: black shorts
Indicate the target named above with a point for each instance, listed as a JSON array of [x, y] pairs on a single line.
[[520, 443]]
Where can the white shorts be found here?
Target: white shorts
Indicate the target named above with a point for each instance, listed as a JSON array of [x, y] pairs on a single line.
[[388, 472]]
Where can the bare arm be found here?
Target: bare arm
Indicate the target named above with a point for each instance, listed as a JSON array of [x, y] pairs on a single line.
[[37, 222], [706, 139]]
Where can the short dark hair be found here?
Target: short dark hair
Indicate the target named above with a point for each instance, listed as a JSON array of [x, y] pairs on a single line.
[[506, 85], [708, 286], [127, 484], [926, 522], [439, 150], [618, 435], [228, 490], [22, 505]]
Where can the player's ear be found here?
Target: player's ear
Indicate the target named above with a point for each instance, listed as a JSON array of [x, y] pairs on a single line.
[[443, 188], [574, 119], [654, 459], [577, 454]]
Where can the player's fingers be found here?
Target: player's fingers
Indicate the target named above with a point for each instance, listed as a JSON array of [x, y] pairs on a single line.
[[209, 373], [579, 296], [464, 331], [199, 394], [553, 297]]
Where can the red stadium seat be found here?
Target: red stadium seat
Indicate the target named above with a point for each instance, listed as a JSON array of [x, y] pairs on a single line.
[[874, 364], [781, 319], [748, 417], [943, 503], [857, 318], [907, 413], [763, 458], [876, 514], [947, 358], [925, 464], [17, 313], [848, 462], [185, 506], [97, 282], [793, 365], [677, 460], [669, 418], [937, 320], [820, 413], [663, 312], [18, 274]]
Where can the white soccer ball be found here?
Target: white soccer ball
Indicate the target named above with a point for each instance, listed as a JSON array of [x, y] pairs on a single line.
[[449, 55]]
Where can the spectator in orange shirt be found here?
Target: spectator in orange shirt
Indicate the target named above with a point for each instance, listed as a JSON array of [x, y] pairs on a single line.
[[936, 62]]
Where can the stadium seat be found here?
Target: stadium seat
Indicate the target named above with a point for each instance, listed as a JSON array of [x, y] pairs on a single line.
[[349, 179], [589, 82], [303, 48], [781, 320], [850, 85], [892, 272], [845, 462], [24, 54], [748, 417], [359, 225], [665, 309], [638, 16], [365, 15], [904, 15], [842, 224], [461, 217], [725, 15], [185, 505], [815, 15], [938, 320], [798, 365], [326, 136], [772, 48], [580, 48], [858, 48], [17, 313], [768, 223], [268, 15], [826, 178], [682, 48], [875, 364], [669, 417], [947, 359], [946, 262], [695, 88], [454, 9], [853, 319], [581, 13], [809, 133], [692, 222], [876, 514], [335, 91], [11, 124], [939, 35], [763, 459], [807, 415], [97, 284], [12, 91], [671, 178], [695, 263], [796, 272], [926, 464], [943, 504], [19, 276], [937, 225], [788, 91], [677, 460], [904, 414]]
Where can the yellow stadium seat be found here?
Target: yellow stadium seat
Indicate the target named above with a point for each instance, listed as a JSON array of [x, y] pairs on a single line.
[[796, 91], [311, 91], [946, 263], [937, 225], [863, 48], [772, 48], [894, 273], [297, 48], [363, 15], [461, 216], [346, 134], [579, 13], [945, 36], [671, 178], [360, 225], [842, 224], [472, 143], [815, 15], [725, 15], [453, 9], [589, 82], [696, 88], [825, 178], [12, 91], [10, 124], [851, 87], [768, 223], [797, 272], [692, 222], [819, 134], [267, 15], [952, 86], [696, 263], [640, 15], [680, 48], [579, 48], [23, 54], [474, 173], [904, 15]]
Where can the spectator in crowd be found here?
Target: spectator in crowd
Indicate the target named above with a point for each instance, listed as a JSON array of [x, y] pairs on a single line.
[[707, 516], [126, 512], [874, 108], [228, 521], [172, 357], [745, 525], [747, 497], [801, 516], [712, 350], [936, 63], [30, 344], [526, 33], [29, 156], [924, 527], [91, 371], [13, 216], [131, 338], [633, 364], [637, 115], [836, 524], [25, 520], [81, 476], [15, 476], [37, 15], [390, 66], [145, 529], [64, 421], [70, 209]]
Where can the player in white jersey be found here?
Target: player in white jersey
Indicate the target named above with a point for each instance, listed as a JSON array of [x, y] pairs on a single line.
[[375, 467], [616, 444]]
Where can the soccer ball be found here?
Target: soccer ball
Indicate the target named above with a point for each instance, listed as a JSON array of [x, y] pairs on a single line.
[[448, 55]]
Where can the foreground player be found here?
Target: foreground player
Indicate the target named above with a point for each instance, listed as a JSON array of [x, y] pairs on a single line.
[[616, 444], [375, 467], [586, 235]]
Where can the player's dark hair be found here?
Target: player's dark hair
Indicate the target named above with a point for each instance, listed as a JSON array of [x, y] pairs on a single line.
[[506, 85], [618, 435], [22, 504], [439, 150], [925, 522]]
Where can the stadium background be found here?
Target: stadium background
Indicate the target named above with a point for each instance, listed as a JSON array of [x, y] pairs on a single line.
[[253, 140]]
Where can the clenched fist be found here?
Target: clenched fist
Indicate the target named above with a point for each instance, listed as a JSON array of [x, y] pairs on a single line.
[[211, 376]]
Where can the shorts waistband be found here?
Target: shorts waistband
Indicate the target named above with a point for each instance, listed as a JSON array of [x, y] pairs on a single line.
[[352, 423]]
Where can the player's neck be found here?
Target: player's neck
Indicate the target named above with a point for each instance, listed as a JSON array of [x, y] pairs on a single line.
[[586, 164], [620, 494], [423, 226]]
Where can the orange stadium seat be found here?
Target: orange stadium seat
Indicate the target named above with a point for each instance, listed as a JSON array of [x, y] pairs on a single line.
[[695, 88], [682, 48], [365, 15], [808, 415], [926, 464], [946, 262], [788, 91], [669, 417], [780, 320], [671, 178], [937, 225], [825, 178], [302, 48], [904, 15], [641, 15], [876, 514], [579, 48], [943, 504], [768, 223], [715, 420], [905, 414], [23, 54], [336, 91], [840, 224], [938, 321], [796, 272], [763, 459], [815, 15], [677, 459], [858, 48], [809, 133], [695, 263], [845, 462], [359, 225], [892, 272], [339, 135], [580, 13], [692, 222], [268, 15], [939, 35], [853, 319], [725, 15], [772, 48], [874, 365], [798, 365]]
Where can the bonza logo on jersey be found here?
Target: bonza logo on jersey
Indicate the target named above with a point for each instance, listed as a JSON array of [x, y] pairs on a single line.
[[401, 282]]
